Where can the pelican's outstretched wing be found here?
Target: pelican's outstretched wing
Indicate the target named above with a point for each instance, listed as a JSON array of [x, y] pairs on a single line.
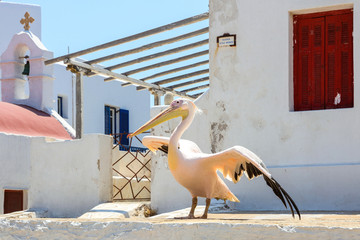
[[155, 143], [235, 161]]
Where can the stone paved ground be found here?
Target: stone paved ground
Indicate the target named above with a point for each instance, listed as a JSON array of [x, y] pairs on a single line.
[[114, 222], [309, 219], [132, 211]]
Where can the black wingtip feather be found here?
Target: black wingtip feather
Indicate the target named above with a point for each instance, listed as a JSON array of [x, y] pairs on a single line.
[[289, 199], [164, 148], [252, 171], [281, 193]]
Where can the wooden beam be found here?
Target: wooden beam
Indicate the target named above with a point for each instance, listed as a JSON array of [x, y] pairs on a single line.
[[79, 105], [147, 33], [184, 84], [171, 71], [197, 95], [175, 70], [184, 76], [149, 46], [169, 62], [160, 54], [103, 71], [165, 63], [177, 78], [196, 88]]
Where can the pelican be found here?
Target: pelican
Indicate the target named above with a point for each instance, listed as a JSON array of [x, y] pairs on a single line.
[[197, 171]]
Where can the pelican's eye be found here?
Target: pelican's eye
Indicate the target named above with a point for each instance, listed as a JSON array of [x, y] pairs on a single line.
[[177, 103]]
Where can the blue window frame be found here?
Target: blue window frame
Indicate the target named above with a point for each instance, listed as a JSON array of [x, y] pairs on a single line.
[[111, 123], [60, 106], [110, 120], [124, 125]]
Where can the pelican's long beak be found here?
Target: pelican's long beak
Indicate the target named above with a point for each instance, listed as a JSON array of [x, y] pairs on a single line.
[[167, 114]]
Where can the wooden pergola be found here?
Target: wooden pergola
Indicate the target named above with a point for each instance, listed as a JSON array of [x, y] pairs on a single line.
[[181, 85]]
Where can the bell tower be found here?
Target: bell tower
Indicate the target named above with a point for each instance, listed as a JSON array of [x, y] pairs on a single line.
[[22, 61]]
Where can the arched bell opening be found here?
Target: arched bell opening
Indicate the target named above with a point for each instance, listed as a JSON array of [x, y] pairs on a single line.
[[22, 55]]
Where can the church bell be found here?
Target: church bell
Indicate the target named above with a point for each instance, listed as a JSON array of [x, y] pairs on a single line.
[[26, 68]]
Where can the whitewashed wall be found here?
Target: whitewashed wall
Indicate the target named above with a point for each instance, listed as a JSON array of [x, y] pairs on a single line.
[[313, 154], [65, 177]]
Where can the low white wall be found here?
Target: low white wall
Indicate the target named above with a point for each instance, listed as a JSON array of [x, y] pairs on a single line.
[[15, 164], [50, 229], [66, 177]]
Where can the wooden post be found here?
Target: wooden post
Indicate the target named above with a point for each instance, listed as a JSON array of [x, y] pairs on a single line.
[[79, 105], [157, 96], [156, 99]]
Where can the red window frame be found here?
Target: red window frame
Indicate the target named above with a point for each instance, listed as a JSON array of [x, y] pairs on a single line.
[[323, 60]]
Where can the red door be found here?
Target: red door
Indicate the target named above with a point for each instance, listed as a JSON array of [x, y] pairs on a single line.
[[13, 201]]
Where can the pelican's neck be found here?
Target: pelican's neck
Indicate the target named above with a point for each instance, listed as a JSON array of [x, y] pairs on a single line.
[[180, 129], [173, 158]]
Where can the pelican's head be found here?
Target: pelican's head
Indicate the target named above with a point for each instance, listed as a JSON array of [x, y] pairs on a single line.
[[178, 108]]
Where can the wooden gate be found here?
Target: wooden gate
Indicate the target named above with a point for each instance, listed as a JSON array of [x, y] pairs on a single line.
[[131, 170]]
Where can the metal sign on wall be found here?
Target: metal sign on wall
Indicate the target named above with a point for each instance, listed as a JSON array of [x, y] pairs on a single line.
[[226, 40]]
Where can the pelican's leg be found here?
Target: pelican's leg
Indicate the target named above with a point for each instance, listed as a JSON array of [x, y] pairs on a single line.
[[204, 216], [192, 210], [193, 206]]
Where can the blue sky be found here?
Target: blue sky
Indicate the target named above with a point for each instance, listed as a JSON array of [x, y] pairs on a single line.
[[82, 24], [77, 25]]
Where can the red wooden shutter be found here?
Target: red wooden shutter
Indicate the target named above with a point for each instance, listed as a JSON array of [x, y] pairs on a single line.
[[339, 57], [302, 66], [347, 76], [318, 76], [309, 64]]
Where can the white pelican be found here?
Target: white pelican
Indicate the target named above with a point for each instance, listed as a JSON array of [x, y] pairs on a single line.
[[197, 171]]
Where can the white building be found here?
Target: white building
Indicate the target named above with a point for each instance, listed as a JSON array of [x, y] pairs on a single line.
[[99, 97], [43, 167], [254, 102]]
